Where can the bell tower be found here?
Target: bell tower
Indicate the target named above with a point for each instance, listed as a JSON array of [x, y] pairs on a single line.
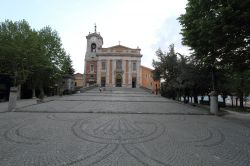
[[94, 43]]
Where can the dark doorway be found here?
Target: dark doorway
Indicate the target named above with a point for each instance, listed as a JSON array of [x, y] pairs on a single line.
[[118, 80], [134, 82], [156, 89], [103, 82]]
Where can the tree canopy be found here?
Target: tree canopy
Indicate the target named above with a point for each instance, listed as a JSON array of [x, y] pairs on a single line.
[[28, 55], [182, 77], [218, 34]]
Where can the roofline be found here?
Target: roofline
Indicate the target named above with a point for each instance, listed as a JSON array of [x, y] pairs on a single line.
[[78, 73], [94, 34], [112, 47], [147, 68], [118, 54]]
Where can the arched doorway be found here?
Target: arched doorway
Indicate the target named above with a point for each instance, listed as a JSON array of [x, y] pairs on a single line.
[[103, 81], [134, 82], [118, 82]]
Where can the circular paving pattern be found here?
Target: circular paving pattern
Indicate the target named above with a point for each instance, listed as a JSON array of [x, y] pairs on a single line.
[[118, 130], [21, 134], [106, 139]]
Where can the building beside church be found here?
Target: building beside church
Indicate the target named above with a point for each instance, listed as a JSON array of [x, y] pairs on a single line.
[[148, 82], [79, 81], [116, 66]]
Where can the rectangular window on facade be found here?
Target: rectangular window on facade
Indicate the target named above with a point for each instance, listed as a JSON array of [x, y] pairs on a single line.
[[103, 65], [134, 66], [92, 68], [119, 65]]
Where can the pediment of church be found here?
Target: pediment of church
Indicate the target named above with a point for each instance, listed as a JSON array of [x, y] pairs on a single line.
[[119, 48]]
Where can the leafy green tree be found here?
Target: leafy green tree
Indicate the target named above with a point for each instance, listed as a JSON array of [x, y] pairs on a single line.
[[218, 33], [183, 76], [167, 67], [56, 62], [67, 66], [16, 49], [33, 57]]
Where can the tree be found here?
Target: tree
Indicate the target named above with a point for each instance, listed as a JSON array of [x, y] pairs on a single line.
[[55, 63], [183, 76], [16, 49], [67, 66], [167, 67], [36, 58], [218, 33]]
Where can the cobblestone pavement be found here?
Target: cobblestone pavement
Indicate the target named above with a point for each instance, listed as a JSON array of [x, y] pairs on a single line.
[[24, 102], [113, 100], [61, 133]]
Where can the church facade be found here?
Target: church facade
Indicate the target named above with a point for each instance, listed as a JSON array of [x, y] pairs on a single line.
[[116, 66]]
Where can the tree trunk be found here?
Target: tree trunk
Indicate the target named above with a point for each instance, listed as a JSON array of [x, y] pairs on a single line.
[[179, 95], [232, 100], [224, 100], [18, 92], [214, 78], [196, 99], [41, 93], [241, 100], [241, 92]]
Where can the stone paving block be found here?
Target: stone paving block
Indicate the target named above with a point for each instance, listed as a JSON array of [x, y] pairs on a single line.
[[66, 135]]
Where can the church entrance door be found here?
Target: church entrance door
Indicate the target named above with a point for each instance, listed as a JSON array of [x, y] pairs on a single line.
[[133, 82], [103, 81], [118, 80]]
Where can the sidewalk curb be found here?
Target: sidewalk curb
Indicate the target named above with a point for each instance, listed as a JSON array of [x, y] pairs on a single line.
[[238, 113]]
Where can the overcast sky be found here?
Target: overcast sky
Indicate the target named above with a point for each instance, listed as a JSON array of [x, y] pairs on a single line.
[[148, 24]]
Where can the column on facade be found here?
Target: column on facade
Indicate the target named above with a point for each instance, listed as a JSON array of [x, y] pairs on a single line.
[[98, 75], [124, 73], [113, 72], [107, 72], [129, 74], [110, 72], [138, 77], [85, 73]]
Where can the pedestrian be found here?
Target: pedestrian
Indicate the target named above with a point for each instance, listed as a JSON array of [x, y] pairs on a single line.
[[100, 89]]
